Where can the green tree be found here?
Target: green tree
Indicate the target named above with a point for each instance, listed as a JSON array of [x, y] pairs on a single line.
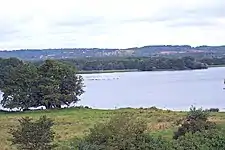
[[33, 135], [58, 84], [50, 84], [18, 87], [6, 65]]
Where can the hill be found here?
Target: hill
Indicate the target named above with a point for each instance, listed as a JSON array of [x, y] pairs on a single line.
[[157, 50]]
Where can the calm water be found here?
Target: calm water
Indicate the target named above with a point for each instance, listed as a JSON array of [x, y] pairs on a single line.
[[176, 90]]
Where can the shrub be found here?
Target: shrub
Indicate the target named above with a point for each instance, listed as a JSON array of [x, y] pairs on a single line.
[[214, 110], [207, 140], [83, 145], [149, 142], [154, 108], [142, 142], [33, 135], [195, 121], [82, 107], [197, 114], [122, 132]]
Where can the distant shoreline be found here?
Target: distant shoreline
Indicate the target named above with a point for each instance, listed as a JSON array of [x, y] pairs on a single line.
[[129, 70], [107, 71], [136, 70], [212, 66]]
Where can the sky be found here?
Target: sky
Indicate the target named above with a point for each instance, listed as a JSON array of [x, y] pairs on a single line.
[[110, 23]]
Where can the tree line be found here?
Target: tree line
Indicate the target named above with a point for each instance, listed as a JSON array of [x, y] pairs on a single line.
[[134, 63], [213, 61], [138, 63], [50, 84]]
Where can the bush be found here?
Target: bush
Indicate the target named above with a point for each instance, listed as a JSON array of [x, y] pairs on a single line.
[[120, 132], [150, 142], [195, 121], [124, 131], [154, 108], [82, 107], [33, 135], [214, 110], [207, 140], [83, 145], [197, 114], [142, 142]]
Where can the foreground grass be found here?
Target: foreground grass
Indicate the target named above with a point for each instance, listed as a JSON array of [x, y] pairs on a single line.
[[75, 122]]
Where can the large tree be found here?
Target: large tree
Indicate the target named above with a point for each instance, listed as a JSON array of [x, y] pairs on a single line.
[[51, 84], [58, 84], [6, 65], [19, 87]]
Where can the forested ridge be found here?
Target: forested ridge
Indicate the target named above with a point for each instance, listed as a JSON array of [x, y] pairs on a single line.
[[150, 50], [143, 63], [138, 63]]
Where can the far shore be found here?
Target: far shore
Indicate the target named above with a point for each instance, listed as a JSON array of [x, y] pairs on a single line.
[[136, 70]]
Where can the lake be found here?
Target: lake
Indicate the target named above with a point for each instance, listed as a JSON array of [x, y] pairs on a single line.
[[175, 90]]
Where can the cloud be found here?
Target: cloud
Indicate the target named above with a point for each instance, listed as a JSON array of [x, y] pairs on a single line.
[[187, 14], [105, 23], [82, 21]]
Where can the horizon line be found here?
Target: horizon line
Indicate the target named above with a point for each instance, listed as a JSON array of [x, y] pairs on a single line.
[[18, 49]]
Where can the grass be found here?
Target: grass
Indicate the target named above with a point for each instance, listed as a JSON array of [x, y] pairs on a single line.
[[75, 122]]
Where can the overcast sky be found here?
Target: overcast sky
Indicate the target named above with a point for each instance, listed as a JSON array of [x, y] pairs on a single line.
[[110, 23]]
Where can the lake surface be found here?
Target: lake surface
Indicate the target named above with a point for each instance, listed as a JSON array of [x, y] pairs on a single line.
[[175, 90]]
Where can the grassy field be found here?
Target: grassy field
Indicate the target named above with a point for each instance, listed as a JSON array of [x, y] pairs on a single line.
[[75, 122]]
